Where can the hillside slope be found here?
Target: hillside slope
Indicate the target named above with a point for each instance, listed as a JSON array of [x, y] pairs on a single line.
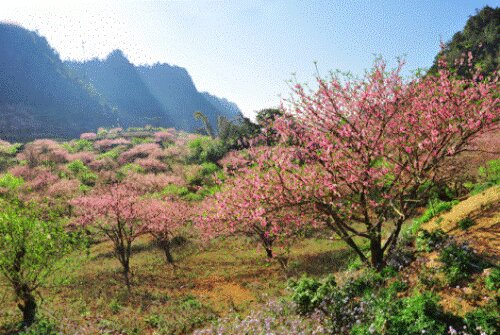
[[38, 97]]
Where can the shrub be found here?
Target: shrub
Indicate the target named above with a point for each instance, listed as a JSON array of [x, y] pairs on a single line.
[[204, 149], [492, 281], [465, 223], [82, 172], [77, 167], [459, 261], [483, 320], [41, 327], [82, 144], [309, 293], [30, 248], [429, 241], [418, 314]]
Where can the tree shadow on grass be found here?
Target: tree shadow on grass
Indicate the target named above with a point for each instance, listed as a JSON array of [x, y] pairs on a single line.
[[323, 263]]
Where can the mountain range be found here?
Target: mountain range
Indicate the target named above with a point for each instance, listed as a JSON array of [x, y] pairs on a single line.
[[42, 96]]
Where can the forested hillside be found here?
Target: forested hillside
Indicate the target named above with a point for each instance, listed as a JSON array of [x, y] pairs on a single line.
[[41, 96]]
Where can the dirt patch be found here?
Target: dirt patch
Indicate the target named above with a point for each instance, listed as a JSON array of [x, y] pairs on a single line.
[[223, 294]]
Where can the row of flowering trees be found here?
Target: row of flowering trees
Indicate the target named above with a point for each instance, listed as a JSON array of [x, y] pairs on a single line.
[[122, 212], [355, 156]]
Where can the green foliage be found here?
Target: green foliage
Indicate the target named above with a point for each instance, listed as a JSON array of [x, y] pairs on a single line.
[[30, 248], [112, 154], [235, 135], [128, 168], [429, 241], [481, 36], [115, 306], [434, 208], [78, 145], [489, 175], [492, 281], [205, 149], [41, 327], [82, 172], [465, 223], [10, 182], [459, 262], [190, 302], [139, 140], [483, 320], [77, 167], [309, 293], [8, 155], [203, 176]]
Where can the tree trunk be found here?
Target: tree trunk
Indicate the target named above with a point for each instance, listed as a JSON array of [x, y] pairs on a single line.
[[377, 254], [28, 305], [269, 251], [165, 245], [126, 274]]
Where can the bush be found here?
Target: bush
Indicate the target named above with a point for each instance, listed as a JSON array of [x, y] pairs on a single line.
[[78, 146], [465, 223], [483, 320], [82, 172], [203, 174], [418, 314], [309, 293], [492, 281], [459, 262], [204, 149], [41, 327], [429, 241]]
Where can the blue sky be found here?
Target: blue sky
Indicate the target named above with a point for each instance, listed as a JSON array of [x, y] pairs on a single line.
[[247, 50]]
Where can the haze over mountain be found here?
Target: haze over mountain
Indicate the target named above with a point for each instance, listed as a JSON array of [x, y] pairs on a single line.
[[41, 96], [38, 97]]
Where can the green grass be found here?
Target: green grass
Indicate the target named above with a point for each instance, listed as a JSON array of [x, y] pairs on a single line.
[[86, 292]]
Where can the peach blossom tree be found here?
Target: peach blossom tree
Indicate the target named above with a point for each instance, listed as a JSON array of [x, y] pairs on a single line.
[[359, 153]]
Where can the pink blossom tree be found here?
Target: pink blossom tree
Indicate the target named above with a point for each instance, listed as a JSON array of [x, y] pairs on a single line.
[[43, 151], [115, 211], [164, 218], [245, 207], [360, 152]]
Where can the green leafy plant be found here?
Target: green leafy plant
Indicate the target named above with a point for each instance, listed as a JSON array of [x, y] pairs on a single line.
[[309, 293], [492, 281], [465, 223], [483, 320], [434, 208], [428, 241], [30, 248], [459, 262]]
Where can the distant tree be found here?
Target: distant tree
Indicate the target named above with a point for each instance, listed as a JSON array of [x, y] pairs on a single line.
[[29, 246], [242, 209], [114, 210], [206, 123], [481, 38], [265, 118], [163, 219], [236, 134]]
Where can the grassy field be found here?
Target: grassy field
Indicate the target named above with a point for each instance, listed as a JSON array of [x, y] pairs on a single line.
[[229, 276]]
